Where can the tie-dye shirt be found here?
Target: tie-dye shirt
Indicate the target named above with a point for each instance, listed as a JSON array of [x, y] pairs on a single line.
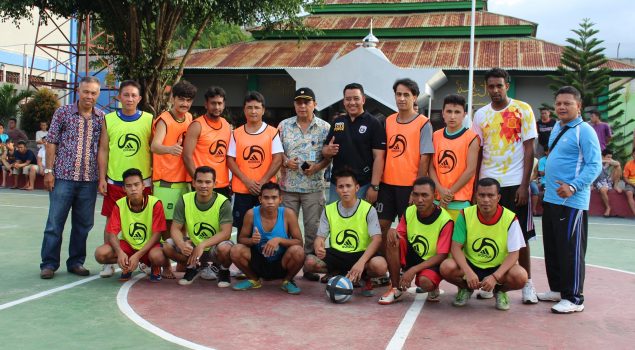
[[502, 135]]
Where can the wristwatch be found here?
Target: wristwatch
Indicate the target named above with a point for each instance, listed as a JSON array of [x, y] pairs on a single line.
[[48, 171], [375, 187], [572, 189]]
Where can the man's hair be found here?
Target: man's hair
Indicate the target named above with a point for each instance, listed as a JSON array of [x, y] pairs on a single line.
[[353, 86], [22, 142], [214, 91], [488, 181], [254, 96], [90, 79], [544, 109], [270, 186], [569, 90], [126, 83], [132, 172], [497, 73], [184, 89], [455, 99], [2, 124], [205, 170], [408, 83], [606, 152], [13, 119], [424, 180], [345, 172], [595, 112]]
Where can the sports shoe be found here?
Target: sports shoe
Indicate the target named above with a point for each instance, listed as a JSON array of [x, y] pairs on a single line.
[[125, 276], [209, 272], [549, 296], [224, 279], [566, 307], [155, 274], [391, 296], [247, 284], [107, 270], [502, 301], [529, 294], [367, 289], [434, 296], [311, 276], [381, 281], [484, 295], [462, 297], [189, 277], [290, 287], [239, 275], [145, 268]]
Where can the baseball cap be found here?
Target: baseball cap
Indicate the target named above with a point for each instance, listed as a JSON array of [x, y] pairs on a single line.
[[304, 93]]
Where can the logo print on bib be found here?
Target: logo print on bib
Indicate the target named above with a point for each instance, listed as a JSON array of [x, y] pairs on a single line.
[[254, 156], [348, 240], [138, 232], [447, 161], [397, 145], [420, 245], [362, 129], [203, 230], [129, 144], [218, 150], [486, 249]]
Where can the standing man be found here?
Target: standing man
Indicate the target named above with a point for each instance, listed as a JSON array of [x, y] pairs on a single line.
[[409, 148], [41, 134], [302, 173], [124, 144], [357, 140], [14, 133], [207, 139], [71, 178], [507, 129], [574, 162], [602, 129], [544, 127], [255, 156]]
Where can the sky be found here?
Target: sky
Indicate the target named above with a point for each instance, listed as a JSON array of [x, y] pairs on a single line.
[[615, 19]]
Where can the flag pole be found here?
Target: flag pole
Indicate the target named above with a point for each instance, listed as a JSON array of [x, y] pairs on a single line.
[[471, 69]]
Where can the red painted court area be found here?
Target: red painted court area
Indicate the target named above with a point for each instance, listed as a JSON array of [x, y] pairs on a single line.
[[269, 318]]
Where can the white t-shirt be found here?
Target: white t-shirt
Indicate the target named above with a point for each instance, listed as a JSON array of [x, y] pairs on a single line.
[[515, 238], [276, 145], [40, 135], [42, 155], [502, 134]]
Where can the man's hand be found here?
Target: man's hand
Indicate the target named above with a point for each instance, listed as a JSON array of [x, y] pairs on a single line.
[[563, 191], [253, 186], [356, 271], [255, 237], [392, 238], [133, 262], [195, 256], [177, 148], [312, 169], [293, 164], [488, 283], [371, 195], [320, 251], [472, 280], [49, 181], [271, 247], [406, 279], [123, 261], [331, 148], [186, 248], [522, 195], [103, 187]]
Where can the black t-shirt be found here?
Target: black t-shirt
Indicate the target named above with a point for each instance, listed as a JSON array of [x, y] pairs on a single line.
[[544, 131], [23, 157], [357, 140]]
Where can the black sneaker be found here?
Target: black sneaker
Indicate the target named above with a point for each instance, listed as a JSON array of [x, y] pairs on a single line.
[[189, 277], [224, 279]]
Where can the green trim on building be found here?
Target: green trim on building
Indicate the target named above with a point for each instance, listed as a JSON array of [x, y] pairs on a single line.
[[511, 92], [396, 7], [462, 31], [253, 84]]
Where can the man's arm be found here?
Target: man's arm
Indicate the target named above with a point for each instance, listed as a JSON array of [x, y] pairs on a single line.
[[592, 165], [102, 158], [189, 145], [356, 271], [245, 236], [470, 170], [522, 194], [157, 146], [276, 162], [378, 171]]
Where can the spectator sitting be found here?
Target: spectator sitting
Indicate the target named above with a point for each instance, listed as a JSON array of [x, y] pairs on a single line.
[[41, 134], [7, 158], [26, 163], [610, 175], [629, 180], [14, 133], [3, 137]]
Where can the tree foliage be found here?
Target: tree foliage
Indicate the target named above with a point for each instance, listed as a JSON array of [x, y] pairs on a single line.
[[216, 34], [583, 66], [9, 101], [143, 30], [39, 108]]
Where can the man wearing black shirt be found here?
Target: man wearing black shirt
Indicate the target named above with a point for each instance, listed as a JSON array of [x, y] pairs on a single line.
[[544, 126]]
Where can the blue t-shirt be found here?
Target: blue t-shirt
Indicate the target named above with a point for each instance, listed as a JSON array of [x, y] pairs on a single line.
[[23, 157], [4, 138]]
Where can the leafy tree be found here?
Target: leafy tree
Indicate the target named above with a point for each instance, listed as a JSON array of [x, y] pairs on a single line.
[[143, 31], [9, 100], [217, 34], [583, 66], [39, 108]]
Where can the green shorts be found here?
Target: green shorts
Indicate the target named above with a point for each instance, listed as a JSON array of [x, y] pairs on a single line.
[[169, 193]]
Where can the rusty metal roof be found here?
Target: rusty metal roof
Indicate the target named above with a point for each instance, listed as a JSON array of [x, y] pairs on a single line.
[[527, 54]]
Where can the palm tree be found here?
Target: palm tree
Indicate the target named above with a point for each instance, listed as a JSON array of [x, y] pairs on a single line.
[[10, 99]]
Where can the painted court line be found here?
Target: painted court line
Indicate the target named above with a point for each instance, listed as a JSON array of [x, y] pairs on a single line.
[[599, 223], [596, 266], [607, 238], [406, 324], [47, 292], [22, 206], [126, 309]]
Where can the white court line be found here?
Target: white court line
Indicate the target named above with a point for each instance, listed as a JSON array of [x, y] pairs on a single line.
[[47, 292], [596, 266], [23, 194], [2, 227], [599, 223], [405, 326], [22, 206], [607, 238], [126, 309]]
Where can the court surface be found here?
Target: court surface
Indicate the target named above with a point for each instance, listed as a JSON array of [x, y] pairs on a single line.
[[71, 312]]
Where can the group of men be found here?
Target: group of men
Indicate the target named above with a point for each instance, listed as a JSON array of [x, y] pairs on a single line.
[[403, 170]]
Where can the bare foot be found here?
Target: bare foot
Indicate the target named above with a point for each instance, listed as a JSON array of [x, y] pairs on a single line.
[[167, 274]]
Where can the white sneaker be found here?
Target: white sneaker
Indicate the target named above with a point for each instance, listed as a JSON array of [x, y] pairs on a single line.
[[484, 295], [145, 269], [549, 296], [529, 294], [209, 272], [566, 307], [107, 270]]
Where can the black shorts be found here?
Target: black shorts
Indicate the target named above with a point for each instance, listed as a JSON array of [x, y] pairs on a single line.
[[225, 191], [524, 213], [392, 201], [242, 203], [413, 259], [340, 262], [265, 269], [481, 272]]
